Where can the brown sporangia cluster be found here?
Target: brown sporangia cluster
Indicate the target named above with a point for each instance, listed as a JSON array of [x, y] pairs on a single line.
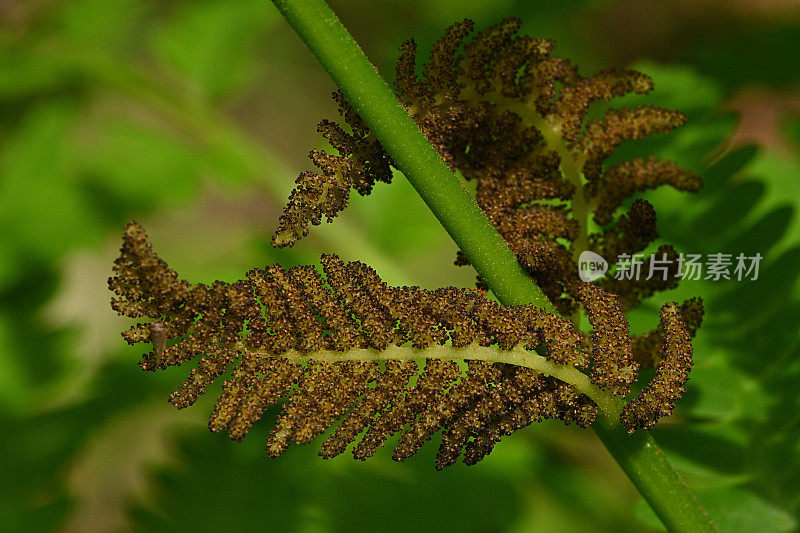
[[658, 398], [267, 328], [512, 118]]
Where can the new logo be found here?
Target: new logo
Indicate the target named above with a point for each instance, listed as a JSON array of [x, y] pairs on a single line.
[[591, 266]]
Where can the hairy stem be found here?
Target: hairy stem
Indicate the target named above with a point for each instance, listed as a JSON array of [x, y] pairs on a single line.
[[324, 34]]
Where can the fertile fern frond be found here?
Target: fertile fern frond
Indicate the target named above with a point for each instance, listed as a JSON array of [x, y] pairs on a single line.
[[344, 347], [380, 361], [507, 114]]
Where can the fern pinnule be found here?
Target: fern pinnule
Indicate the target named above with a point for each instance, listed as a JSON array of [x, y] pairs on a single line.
[[658, 397]]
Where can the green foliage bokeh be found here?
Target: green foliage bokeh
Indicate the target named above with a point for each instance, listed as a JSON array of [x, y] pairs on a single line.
[[194, 118]]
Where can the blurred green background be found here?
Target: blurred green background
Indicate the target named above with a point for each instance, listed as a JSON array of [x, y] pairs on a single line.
[[194, 118]]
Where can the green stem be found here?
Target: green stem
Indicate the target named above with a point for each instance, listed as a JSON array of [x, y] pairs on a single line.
[[647, 467], [345, 62]]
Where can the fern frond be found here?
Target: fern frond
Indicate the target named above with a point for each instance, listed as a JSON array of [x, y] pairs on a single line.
[[381, 360], [647, 348], [507, 114], [631, 234], [349, 355]]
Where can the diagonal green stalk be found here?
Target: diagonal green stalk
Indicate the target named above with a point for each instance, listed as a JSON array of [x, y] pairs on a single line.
[[323, 33]]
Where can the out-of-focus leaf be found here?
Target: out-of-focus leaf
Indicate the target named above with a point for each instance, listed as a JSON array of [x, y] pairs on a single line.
[[25, 72], [743, 511], [734, 511], [144, 166], [106, 23], [14, 382], [743, 390], [42, 212], [214, 46], [113, 468], [292, 493]]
